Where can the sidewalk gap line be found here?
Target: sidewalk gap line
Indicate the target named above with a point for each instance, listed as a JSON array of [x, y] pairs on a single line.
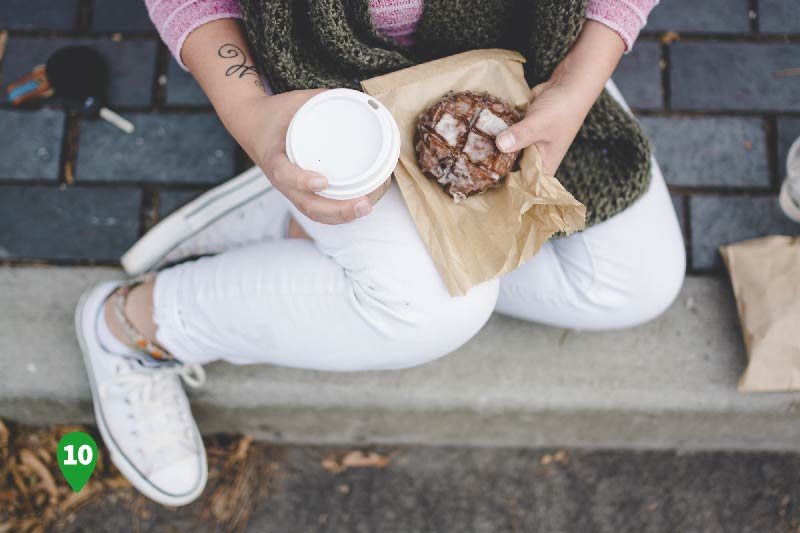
[[752, 38], [666, 80], [771, 136], [39, 262], [83, 24], [242, 161], [687, 229], [3, 42], [732, 113], [69, 149], [752, 7], [710, 190], [171, 109], [161, 79], [149, 213], [82, 34]]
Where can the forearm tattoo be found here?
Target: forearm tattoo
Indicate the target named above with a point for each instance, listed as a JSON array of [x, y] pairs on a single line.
[[240, 67]]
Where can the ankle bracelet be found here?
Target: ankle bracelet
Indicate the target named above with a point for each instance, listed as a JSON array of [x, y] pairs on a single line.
[[136, 340]]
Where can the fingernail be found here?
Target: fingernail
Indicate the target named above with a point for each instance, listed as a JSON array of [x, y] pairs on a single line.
[[505, 141], [318, 184], [362, 208]]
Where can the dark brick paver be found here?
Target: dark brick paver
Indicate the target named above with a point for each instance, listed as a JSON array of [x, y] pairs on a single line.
[[719, 220], [132, 63], [704, 16], [70, 223], [169, 201], [720, 119], [38, 14], [166, 148], [779, 16], [121, 16], [679, 201], [788, 131], [31, 144], [710, 151], [638, 76], [734, 76], [182, 89]]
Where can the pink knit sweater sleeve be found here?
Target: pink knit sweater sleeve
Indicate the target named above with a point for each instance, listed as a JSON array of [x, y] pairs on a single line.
[[626, 17], [175, 19]]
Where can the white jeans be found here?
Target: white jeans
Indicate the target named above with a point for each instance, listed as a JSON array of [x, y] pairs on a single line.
[[366, 295]]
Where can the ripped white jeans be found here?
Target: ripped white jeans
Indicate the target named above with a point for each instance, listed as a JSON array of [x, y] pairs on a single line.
[[366, 295]]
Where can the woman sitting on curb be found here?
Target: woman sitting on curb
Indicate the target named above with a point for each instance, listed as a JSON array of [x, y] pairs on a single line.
[[294, 279]]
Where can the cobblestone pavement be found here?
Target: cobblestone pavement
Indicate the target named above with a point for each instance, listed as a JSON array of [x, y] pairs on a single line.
[[704, 78]]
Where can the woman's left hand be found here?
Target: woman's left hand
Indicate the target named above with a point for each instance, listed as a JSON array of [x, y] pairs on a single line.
[[559, 106], [551, 122]]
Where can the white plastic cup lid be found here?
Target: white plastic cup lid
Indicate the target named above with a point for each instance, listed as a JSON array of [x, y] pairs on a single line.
[[348, 137]]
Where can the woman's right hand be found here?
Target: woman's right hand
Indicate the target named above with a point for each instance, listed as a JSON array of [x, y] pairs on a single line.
[[218, 56], [259, 124]]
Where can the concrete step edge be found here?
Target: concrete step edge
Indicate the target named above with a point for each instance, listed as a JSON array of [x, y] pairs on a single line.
[[668, 384]]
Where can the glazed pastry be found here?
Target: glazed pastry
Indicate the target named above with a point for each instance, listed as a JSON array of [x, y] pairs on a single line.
[[455, 142]]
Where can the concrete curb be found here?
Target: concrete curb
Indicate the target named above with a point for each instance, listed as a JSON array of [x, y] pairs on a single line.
[[668, 384]]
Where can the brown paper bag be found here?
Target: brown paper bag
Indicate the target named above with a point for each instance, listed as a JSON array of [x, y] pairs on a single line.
[[765, 274], [492, 233]]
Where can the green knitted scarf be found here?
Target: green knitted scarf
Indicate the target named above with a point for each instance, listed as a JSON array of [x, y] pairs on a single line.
[[303, 44]]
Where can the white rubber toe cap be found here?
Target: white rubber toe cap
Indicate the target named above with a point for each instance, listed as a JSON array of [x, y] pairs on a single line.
[[181, 482]]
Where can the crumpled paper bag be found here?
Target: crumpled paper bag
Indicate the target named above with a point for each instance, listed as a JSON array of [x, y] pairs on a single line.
[[765, 274], [492, 233]]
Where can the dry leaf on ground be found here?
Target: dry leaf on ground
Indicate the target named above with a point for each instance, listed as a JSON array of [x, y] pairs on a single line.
[[45, 477], [242, 448], [560, 457], [354, 459], [34, 497], [670, 37], [238, 476], [3, 41], [786, 72]]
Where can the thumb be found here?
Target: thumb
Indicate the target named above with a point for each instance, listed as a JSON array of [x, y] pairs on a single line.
[[521, 135]]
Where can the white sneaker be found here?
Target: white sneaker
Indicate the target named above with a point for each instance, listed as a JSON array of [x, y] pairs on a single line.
[[241, 211], [143, 413]]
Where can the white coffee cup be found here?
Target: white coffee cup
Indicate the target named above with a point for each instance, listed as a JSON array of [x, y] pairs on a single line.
[[347, 136]]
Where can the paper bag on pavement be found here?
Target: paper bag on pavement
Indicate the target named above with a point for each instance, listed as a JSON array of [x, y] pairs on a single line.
[[765, 274]]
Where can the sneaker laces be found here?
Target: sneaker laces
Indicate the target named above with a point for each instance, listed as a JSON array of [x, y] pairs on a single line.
[[156, 406]]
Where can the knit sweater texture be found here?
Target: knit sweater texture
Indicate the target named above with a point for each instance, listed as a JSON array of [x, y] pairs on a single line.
[[396, 19], [302, 44]]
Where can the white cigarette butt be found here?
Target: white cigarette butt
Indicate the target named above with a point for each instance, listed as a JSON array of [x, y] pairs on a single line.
[[120, 122]]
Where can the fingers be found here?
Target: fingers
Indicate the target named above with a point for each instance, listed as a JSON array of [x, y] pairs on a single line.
[[527, 131], [300, 186], [519, 136], [288, 175], [330, 211], [539, 89]]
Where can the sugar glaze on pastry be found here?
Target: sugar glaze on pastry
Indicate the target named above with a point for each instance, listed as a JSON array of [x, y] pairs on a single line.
[[455, 142]]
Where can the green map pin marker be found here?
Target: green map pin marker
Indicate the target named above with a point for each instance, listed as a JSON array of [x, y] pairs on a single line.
[[77, 457]]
